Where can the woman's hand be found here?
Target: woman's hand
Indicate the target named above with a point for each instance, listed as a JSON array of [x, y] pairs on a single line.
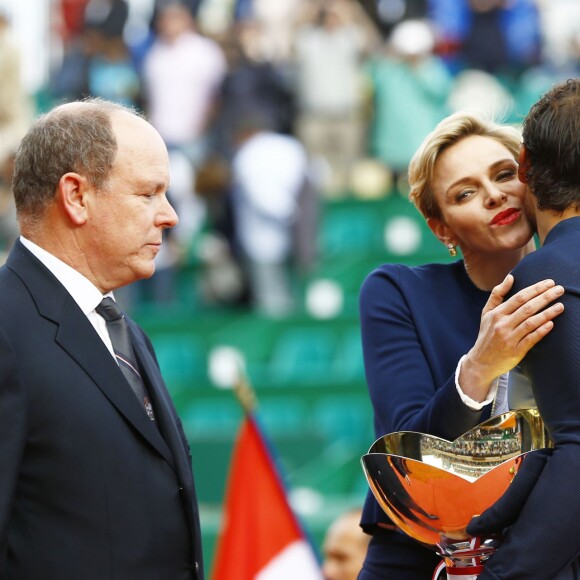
[[508, 330]]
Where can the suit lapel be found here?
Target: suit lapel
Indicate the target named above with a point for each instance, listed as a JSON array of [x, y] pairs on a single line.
[[79, 339], [90, 353]]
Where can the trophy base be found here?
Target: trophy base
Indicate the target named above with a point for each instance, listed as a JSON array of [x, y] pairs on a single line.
[[457, 572], [463, 560]]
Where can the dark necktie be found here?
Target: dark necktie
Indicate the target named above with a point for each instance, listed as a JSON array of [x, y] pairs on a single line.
[[119, 334]]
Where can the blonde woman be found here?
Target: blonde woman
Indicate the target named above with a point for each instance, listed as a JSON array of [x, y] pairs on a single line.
[[435, 337]]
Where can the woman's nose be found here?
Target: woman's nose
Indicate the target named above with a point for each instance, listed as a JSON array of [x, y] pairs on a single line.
[[494, 196]]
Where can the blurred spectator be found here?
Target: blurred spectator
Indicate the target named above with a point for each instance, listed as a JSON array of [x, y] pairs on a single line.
[[269, 174], [345, 547], [497, 36], [214, 17], [251, 84], [276, 21], [560, 52], [410, 87], [69, 81], [331, 123], [16, 114], [181, 75], [485, 46], [477, 89], [560, 29], [72, 14], [95, 54], [221, 279], [111, 74], [8, 224], [108, 17], [15, 105], [521, 23], [388, 13]]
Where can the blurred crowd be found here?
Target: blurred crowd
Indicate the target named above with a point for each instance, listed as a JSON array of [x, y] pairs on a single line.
[[270, 107]]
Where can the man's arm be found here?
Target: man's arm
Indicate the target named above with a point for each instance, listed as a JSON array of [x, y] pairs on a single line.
[[544, 538]]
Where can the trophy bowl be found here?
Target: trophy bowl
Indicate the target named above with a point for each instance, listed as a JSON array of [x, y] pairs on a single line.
[[431, 488]]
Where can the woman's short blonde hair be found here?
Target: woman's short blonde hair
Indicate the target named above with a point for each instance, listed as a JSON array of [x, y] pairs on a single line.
[[448, 132]]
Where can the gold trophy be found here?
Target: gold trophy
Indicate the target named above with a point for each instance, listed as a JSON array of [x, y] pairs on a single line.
[[431, 488]]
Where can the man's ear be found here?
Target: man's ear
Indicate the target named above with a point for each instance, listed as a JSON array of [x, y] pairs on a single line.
[[71, 195], [524, 164], [441, 230]]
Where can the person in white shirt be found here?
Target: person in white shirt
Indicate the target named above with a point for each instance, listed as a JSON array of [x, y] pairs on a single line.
[[182, 74], [269, 173]]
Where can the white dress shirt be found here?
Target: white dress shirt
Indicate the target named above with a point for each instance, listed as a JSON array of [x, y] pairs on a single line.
[[497, 393], [82, 290]]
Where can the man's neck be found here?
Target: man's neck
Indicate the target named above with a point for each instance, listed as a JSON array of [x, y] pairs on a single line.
[[547, 219]]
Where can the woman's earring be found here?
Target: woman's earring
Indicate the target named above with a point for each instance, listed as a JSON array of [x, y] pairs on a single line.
[[452, 250]]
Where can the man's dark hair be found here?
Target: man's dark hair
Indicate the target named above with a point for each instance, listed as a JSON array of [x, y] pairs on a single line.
[[551, 135]]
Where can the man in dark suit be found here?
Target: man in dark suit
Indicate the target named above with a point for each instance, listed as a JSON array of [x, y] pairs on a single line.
[[95, 471], [543, 543]]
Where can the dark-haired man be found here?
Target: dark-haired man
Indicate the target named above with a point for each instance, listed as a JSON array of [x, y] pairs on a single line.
[[543, 543]]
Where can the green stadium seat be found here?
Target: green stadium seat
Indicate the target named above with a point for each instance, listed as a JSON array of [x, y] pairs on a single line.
[[303, 356], [214, 418], [182, 358], [350, 230], [406, 236], [285, 416], [347, 419], [349, 358]]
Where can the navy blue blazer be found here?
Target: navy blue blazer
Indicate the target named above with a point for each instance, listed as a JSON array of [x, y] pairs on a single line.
[[89, 487], [416, 323], [545, 539]]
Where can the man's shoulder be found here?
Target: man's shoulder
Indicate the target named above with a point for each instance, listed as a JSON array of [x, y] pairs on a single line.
[[532, 268], [560, 246], [15, 303], [558, 261], [8, 280], [538, 256]]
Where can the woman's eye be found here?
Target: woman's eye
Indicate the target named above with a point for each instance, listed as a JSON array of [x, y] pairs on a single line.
[[506, 175], [463, 194]]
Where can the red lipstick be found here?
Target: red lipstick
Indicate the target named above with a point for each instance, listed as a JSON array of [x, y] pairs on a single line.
[[506, 217]]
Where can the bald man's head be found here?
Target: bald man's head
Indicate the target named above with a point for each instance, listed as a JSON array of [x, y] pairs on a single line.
[[344, 547]]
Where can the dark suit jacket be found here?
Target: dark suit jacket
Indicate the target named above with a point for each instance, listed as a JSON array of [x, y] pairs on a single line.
[[90, 488], [544, 541]]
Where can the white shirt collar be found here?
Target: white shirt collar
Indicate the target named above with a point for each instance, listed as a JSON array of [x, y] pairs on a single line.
[[82, 290]]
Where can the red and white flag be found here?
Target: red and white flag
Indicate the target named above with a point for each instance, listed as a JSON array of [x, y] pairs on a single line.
[[261, 538]]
